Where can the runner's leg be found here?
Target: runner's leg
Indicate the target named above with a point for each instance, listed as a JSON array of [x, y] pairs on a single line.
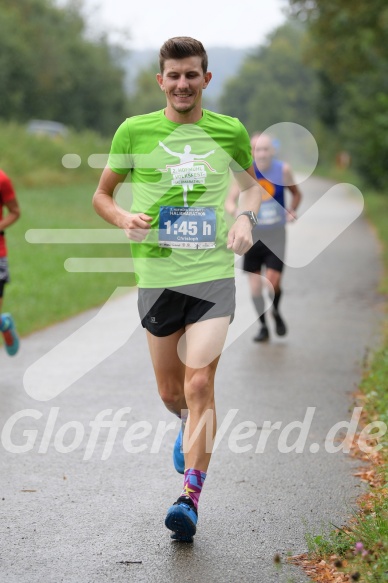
[[255, 284], [204, 342], [200, 349], [169, 370], [274, 277], [7, 327]]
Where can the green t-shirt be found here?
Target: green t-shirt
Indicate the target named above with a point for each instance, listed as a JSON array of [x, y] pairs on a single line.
[[174, 169]]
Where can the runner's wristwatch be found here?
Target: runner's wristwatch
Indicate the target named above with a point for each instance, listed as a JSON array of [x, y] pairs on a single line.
[[251, 216]]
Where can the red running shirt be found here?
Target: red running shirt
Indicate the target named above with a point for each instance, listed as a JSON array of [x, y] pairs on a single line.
[[7, 194]]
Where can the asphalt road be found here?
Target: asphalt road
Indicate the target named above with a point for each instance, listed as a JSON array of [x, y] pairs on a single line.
[[69, 515]]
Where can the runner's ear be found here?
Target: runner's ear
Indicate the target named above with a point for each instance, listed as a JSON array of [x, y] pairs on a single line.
[[159, 79], [207, 78]]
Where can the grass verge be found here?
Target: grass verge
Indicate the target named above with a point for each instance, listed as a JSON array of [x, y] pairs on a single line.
[[41, 291]]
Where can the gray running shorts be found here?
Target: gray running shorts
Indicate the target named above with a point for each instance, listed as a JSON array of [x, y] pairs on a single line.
[[165, 311], [4, 274]]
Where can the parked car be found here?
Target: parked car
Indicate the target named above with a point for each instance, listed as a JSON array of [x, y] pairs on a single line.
[[42, 127]]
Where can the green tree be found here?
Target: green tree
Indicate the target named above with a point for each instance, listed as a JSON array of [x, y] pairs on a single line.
[[349, 49], [147, 96], [349, 37], [16, 65], [50, 70], [274, 84]]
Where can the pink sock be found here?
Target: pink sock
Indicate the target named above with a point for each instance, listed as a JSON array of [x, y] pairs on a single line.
[[192, 485]]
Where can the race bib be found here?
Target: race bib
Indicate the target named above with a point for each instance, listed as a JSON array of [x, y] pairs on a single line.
[[271, 213], [187, 227]]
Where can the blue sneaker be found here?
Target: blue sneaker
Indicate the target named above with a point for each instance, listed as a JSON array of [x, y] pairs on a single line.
[[177, 454], [11, 338], [182, 519]]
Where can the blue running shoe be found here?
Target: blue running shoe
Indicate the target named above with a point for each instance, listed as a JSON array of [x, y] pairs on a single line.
[[11, 338], [177, 454], [182, 519], [181, 539]]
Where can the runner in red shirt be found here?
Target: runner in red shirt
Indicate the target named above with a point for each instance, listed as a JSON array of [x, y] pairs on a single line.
[[9, 201]]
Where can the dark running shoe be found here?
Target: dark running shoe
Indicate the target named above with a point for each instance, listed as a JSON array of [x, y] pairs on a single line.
[[262, 335], [281, 328]]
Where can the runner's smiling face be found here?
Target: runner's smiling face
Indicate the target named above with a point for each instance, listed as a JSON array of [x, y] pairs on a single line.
[[183, 81]]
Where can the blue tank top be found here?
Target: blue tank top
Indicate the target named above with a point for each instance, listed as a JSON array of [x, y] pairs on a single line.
[[271, 213]]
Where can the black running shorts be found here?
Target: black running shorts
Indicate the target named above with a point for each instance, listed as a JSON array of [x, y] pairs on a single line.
[[165, 311], [268, 250]]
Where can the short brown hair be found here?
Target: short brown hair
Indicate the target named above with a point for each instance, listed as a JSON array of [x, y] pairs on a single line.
[[180, 47]]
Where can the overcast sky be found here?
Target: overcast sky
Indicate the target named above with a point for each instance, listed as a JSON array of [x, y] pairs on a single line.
[[244, 23]]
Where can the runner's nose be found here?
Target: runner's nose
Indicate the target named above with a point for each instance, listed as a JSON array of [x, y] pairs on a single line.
[[182, 82]]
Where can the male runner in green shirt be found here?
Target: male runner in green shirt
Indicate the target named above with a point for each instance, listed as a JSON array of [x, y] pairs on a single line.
[[179, 160]]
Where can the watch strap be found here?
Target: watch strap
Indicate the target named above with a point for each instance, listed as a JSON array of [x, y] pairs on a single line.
[[251, 216]]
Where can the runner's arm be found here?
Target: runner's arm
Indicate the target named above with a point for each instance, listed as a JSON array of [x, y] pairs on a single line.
[[12, 215], [289, 181], [240, 234], [232, 198], [135, 225]]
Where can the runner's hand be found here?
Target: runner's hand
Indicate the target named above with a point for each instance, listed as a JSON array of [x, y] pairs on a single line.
[[291, 215], [136, 226], [240, 236]]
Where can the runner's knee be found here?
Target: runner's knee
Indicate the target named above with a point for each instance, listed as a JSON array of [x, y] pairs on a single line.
[[171, 394], [274, 278], [199, 388]]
